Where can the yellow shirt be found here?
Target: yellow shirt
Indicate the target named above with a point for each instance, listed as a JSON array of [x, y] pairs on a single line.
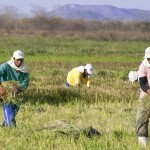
[[74, 78]]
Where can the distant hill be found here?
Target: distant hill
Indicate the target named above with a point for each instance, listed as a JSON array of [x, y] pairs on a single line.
[[99, 12]]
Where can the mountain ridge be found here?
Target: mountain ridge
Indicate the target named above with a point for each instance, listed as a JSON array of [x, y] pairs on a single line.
[[99, 12]]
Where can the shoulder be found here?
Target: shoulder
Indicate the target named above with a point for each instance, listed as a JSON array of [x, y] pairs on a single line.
[[73, 70], [142, 66], [143, 70], [4, 65]]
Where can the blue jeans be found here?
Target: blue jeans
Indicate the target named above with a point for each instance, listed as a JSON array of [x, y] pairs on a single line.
[[10, 111]]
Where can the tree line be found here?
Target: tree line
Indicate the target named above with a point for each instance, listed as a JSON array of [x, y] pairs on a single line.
[[40, 22]]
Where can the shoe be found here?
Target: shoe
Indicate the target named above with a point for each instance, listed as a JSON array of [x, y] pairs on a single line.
[[143, 141], [3, 124]]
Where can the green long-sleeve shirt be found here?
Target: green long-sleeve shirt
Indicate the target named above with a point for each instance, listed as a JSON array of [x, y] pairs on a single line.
[[8, 73]]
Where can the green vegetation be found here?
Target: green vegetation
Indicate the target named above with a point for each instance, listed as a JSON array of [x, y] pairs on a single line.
[[109, 106]]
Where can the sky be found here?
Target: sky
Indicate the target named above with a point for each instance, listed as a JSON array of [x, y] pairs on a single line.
[[26, 6]]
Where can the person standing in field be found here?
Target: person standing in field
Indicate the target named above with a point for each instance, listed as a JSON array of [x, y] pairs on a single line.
[[80, 75], [143, 111], [14, 79]]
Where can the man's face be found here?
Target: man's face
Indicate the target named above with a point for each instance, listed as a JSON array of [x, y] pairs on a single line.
[[148, 60], [85, 74], [18, 62]]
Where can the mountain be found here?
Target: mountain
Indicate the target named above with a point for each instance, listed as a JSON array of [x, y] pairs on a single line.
[[99, 12]]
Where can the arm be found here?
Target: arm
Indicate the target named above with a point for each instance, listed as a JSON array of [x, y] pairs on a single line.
[[2, 90], [78, 79], [2, 70], [143, 85], [88, 83], [142, 73], [25, 82]]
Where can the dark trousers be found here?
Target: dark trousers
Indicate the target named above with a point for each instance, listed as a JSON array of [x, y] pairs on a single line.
[[143, 115]]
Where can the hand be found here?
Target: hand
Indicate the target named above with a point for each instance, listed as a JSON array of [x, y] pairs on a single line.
[[2, 90], [78, 85], [148, 91]]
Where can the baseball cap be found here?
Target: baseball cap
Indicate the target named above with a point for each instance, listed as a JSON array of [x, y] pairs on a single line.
[[147, 53], [18, 54], [89, 68]]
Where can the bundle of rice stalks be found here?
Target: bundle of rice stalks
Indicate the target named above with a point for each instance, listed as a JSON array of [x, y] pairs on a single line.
[[62, 127], [13, 92]]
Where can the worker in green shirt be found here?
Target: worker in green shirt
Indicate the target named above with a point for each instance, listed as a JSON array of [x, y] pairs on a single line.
[[15, 73]]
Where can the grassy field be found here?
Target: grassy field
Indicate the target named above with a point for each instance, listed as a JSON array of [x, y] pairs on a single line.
[[109, 106]]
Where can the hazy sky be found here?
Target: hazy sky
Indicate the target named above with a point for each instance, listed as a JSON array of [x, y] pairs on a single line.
[[26, 5]]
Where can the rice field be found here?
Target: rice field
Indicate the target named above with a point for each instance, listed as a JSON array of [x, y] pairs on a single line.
[[109, 106]]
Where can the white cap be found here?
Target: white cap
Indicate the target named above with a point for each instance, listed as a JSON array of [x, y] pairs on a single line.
[[18, 54], [89, 68], [80, 69], [147, 53]]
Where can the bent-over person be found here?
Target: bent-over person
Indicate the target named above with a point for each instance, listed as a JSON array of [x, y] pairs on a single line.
[[80, 75]]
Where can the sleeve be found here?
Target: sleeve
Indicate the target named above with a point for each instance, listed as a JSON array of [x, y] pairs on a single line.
[[142, 71], [2, 69], [25, 82], [88, 83], [143, 78], [78, 78], [143, 84]]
